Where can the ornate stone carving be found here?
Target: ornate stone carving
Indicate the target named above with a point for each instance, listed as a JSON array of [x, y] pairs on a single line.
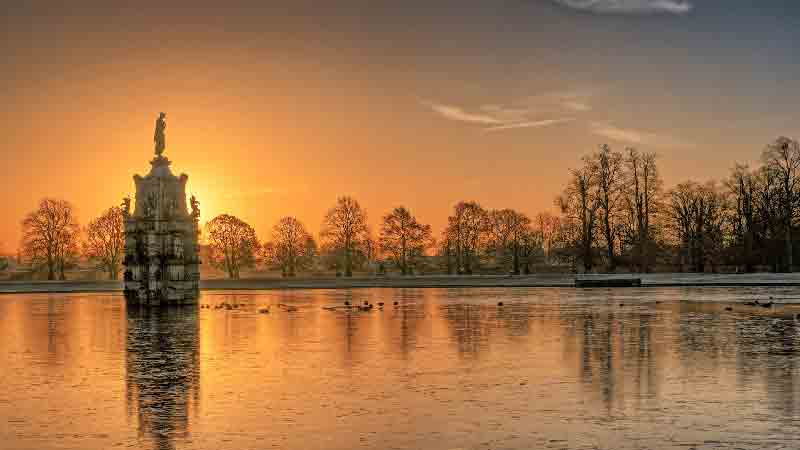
[[126, 207], [195, 207], [162, 265]]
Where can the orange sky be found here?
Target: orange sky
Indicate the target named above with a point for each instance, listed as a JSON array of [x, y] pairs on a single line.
[[277, 111]]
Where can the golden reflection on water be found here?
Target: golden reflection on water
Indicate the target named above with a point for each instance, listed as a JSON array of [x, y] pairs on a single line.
[[445, 368], [162, 372]]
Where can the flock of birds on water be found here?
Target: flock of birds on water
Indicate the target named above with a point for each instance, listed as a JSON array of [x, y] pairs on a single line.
[[368, 306], [756, 303]]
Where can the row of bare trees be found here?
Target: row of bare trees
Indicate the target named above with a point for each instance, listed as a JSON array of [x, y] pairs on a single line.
[[749, 220], [507, 237], [474, 239], [615, 211], [52, 239], [345, 235], [610, 203]]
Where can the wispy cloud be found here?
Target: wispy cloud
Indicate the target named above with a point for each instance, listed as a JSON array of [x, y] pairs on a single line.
[[637, 137], [507, 113], [576, 101], [630, 6], [529, 124], [494, 117], [460, 115], [575, 105]]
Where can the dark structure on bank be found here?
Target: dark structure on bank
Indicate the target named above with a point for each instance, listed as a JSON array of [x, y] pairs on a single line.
[[161, 251], [607, 281]]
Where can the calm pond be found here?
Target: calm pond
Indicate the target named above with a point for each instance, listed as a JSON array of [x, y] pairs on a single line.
[[445, 369]]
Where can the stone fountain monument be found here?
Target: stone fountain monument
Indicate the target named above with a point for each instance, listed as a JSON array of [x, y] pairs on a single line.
[[162, 266]]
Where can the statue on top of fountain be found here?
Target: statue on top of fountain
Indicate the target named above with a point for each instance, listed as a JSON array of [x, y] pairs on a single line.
[[159, 137]]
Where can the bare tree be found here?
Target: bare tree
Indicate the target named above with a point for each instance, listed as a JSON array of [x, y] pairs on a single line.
[[232, 243], [608, 168], [50, 237], [769, 221], [404, 239], [682, 217], [782, 159], [742, 186], [105, 241], [697, 219], [466, 230], [507, 231], [642, 201], [447, 252], [529, 248], [292, 247], [567, 243], [579, 203], [546, 226], [345, 228]]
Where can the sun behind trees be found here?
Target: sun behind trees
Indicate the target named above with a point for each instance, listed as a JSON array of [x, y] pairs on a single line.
[[232, 243], [105, 241], [50, 237]]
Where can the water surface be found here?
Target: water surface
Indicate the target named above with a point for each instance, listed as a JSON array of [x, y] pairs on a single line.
[[444, 369]]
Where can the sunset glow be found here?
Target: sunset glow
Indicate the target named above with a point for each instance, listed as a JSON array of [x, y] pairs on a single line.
[[414, 224], [272, 114]]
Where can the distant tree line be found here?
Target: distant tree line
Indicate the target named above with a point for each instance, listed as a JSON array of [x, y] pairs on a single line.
[[613, 214]]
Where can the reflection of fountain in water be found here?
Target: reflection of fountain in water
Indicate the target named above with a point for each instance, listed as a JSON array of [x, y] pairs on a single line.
[[163, 372]]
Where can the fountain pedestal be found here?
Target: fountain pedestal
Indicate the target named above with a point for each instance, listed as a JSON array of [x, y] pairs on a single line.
[[161, 262]]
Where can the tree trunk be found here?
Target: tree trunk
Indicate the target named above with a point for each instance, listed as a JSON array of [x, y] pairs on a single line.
[[748, 252], [348, 264], [587, 256], [788, 248], [612, 263], [516, 259], [403, 259]]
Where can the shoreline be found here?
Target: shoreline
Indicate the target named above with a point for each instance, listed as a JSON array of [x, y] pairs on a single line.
[[426, 282]]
